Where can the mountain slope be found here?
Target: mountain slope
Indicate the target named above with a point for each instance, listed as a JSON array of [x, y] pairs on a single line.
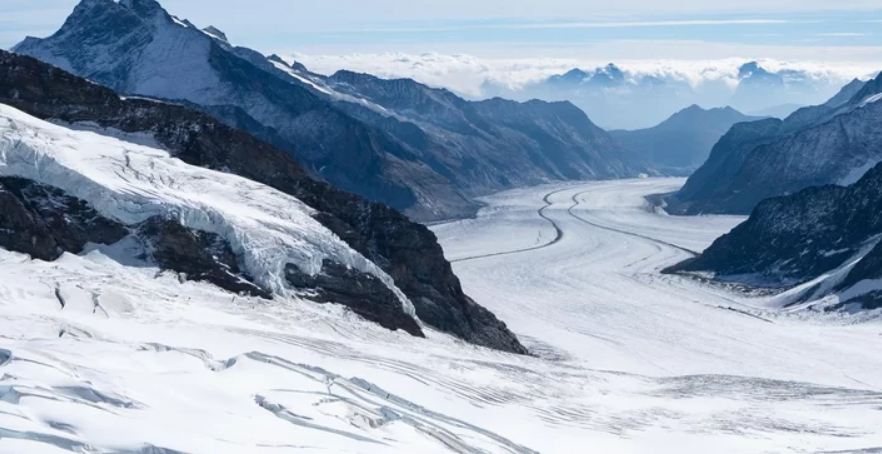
[[408, 252], [822, 240], [425, 154], [833, 143], [680, 144], [485, 145]]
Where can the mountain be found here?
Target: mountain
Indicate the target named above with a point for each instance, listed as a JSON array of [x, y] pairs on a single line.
[[615, 98], [757, 87], [823, 242], [832, 143], [422, 151], [635, 97], [484, 145], [680, 144], [216, 191]]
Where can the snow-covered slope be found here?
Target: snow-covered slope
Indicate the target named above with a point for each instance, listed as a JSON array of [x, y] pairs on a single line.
[[631, 362], [131, 183]]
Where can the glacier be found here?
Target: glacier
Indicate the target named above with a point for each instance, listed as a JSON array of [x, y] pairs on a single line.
[[130, 182], [627, 360]]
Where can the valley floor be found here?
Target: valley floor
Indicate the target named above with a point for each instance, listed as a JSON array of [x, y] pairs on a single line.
[[630, 361]]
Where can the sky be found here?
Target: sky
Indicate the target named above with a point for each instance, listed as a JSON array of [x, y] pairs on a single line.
[[840, 30]]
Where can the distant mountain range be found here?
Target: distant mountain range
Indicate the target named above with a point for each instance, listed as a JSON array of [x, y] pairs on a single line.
[[420, 150], [832, 143], [682, 143], [623, 99]]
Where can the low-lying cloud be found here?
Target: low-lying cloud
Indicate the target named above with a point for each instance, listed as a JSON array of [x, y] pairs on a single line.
[[470, 75]]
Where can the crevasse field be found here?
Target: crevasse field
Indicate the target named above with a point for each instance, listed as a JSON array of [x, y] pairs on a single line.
[[628, 360]]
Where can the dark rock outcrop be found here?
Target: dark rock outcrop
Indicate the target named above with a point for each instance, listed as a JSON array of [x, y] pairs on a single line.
[[196, 255], [407, 251], [44, 222], [794, 239], [363, 293]]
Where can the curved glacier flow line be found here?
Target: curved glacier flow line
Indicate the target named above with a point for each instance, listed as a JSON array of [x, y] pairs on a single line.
[[577, 202], [558, 232]]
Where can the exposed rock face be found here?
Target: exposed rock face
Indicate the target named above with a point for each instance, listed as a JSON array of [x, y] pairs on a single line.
[[43, 222], [407, 255], [407, 251], [364, 294], [699, 194], [682, 143], [794, 239], [420, 150], [199, 256], [827, 144]]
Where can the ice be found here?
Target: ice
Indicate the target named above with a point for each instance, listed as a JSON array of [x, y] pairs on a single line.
[[628, 360], [131, 182], [286, 69], [871, 99]]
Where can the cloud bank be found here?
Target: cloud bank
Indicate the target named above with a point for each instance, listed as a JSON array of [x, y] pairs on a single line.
[[628, 95], [471, 76]]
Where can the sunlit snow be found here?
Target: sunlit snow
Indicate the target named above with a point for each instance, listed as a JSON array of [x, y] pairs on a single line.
[[628, 360]]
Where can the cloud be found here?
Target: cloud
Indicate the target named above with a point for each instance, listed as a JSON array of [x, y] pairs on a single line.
[[466, 74]]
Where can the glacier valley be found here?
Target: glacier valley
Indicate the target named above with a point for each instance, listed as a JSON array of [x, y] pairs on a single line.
[[102, 353]]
